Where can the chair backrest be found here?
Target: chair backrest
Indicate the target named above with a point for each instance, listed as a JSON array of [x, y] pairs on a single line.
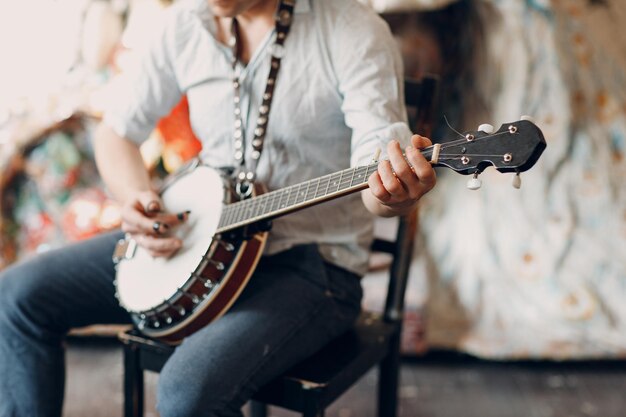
[[420, 99]]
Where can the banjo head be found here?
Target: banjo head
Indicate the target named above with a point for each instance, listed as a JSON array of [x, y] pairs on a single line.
[[144, 282]]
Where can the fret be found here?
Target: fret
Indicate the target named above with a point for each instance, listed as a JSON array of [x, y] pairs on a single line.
[[259, 207], [227, 213], [263, 204], [235, 208], [306, 193], [300, 194], [284, 197], [241, 211], [280, 194], [330, 180], [231, 215], [295, 191], [346, 178], [352, 177], [317, 187], [292, 195], [254, 204], [325, 182], [287, 195], [339, 182], [247, 209], [253, 207], [272, 202], [371, 169], [362, 175]]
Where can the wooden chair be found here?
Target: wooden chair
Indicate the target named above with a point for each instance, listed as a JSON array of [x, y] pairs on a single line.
[[313, 384]]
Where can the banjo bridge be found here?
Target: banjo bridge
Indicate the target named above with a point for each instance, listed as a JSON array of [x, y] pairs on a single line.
[[124, 249]]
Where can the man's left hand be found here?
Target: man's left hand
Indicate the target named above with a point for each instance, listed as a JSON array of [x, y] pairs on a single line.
[[400, 182]]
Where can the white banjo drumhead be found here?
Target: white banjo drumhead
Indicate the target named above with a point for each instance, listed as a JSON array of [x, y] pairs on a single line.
[[144, 282]]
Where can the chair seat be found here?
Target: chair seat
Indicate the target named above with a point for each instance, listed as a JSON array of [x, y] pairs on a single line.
[[322, 377], [319, 379]]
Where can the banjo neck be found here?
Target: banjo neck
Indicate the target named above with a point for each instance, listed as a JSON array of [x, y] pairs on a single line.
[[295, 197], [305, 194]]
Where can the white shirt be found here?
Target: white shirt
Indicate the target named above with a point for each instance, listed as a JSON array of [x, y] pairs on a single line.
[[338, 98]]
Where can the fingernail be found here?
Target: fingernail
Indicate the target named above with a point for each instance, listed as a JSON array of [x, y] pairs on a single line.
[[153, 207]]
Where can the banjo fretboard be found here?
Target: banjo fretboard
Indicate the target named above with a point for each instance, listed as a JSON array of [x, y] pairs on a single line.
[[295, 197]]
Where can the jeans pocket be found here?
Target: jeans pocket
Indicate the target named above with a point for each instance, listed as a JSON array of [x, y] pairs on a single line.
[[345, 288], [314, 267]]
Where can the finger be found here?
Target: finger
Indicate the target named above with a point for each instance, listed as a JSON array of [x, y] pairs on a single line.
[[165, 222], [158, 244], [161, 254], [160, 228], [389, 180], [421, 166], [377, 188], [423, 171], [426, 174], [183, 216], [150, 202], [130, 228], [420, 142], [400, 166], [171, 220], [136, 221]]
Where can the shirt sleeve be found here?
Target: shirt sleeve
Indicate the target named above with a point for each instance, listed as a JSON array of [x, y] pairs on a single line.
[[147, 90], [369, 70]]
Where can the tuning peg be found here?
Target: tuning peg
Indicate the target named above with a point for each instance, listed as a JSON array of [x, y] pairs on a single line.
[[517, 181], [474, 183], [527, 118], [486, 127]]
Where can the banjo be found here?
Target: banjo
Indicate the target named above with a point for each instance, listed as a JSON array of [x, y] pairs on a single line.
[[224, 237]]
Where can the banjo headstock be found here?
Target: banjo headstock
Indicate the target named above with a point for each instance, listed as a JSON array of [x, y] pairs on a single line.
[[515, 147]]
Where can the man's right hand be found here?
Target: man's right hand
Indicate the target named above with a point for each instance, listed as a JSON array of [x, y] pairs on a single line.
[[143, 218]]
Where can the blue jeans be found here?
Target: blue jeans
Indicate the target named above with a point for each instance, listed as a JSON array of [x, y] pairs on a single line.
[[294, 304]]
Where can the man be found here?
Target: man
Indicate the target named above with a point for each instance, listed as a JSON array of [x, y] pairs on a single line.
[[336, 99]]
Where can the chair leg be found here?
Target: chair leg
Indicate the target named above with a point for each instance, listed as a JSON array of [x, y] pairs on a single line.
[[388, 379], [133, 383], [258, 409], [311, 407]]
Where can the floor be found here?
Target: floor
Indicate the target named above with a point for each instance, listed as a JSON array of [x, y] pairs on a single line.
[[439, 385]]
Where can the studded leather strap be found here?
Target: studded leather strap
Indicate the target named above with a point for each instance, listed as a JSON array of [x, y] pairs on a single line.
[[246, 173]]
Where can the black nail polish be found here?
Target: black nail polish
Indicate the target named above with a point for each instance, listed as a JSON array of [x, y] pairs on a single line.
[[182, 216]]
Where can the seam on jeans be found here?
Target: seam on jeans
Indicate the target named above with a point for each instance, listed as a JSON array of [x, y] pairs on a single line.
[[289, 336]]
